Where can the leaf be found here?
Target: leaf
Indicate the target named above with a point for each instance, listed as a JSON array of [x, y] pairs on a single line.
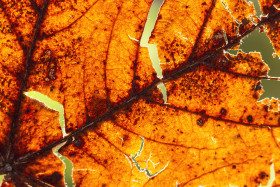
[[87, 56]]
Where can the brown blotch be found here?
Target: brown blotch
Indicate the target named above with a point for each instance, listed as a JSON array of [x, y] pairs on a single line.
[[46, 56], [200, 122], [27, 111], [265, 107], [250, 119], [245, 21], [51, 71], [223, 111], [51, 88], [78, 142], [218, 35], [124, 139], [262, 175], [258, 86], [72, 154], [255, 96]]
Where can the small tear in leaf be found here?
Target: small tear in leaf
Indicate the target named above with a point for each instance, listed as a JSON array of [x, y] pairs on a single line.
[[257, 8], [152, 48], [227, 8], [225, 36], [162, 87], [149, 27], [134, 39], [48, 102], [259, 42]]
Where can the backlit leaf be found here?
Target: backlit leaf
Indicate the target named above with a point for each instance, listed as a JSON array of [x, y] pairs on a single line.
[[117, 127]]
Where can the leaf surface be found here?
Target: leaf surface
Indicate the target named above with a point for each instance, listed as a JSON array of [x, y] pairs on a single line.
[[87, 56]]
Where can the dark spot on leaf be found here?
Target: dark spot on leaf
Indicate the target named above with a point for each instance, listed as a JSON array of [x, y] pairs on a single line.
[[238, 136], [223, 111], [162, 137], [255, 96], [78, 143], [258, 86], [250, 119], [160, 16], [200, 122], [104, 185], [51, 89], [279, 121], [46, 56], [167, 60], [105, 161], [73, 155], [233, 166], [262, 175], [218, 35], [137, 78], [27, 111], [187, 6], [245, 21], [265, 107], [79, 39]]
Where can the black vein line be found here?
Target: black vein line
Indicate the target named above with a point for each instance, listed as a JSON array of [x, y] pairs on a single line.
[[109, 142], [84, 97], [23, 47], [31, 180], [95, 158], [240, 74], [109, 105], [166, 143], [207, 57], [205, 21], [216, 169], [35, 6], [24, 80], [213, 117], [133, 82], [146, 90]]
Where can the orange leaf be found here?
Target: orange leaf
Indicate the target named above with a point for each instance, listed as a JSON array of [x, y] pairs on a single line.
[[115, 126]]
